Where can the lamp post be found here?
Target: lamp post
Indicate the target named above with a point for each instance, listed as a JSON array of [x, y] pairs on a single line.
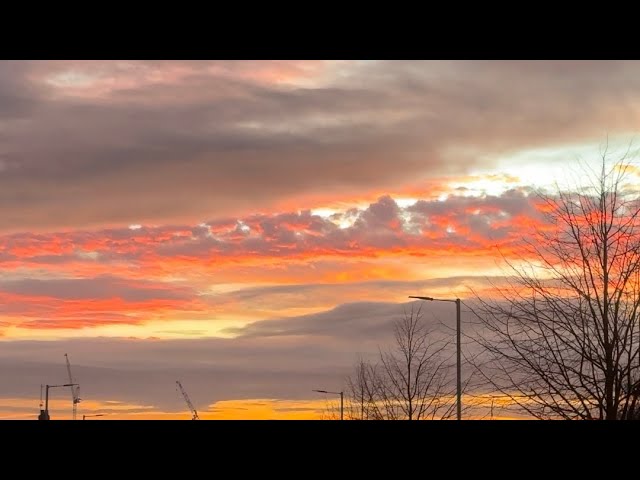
[[96, 415], [341, 400], [458, 348], [44, 414]]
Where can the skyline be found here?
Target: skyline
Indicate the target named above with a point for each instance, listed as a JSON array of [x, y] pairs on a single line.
[[250, 227]]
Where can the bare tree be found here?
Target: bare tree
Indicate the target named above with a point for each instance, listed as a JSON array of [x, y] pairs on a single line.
[[410, 381], [561, 338], [361, 392]]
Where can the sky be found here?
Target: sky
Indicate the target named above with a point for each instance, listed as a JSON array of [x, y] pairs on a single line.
[[251, 227]]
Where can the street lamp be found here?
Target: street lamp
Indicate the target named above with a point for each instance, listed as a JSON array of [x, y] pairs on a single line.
[[458, 362], [96, 415], [341, 400], [44, 414]]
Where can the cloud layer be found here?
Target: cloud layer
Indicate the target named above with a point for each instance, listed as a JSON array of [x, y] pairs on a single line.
[[89, 143], [278, 358], [77, 279], [273, 215]]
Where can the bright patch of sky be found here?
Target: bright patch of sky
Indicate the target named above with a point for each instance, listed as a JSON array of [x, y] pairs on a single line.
[[336, 216], [478, 187], [88, 254], [71, 79], [561, 164], [323, 212], [161, 329], [405, 202]]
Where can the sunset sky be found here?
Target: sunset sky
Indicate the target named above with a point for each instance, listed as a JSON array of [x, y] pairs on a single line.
[[250, 227]]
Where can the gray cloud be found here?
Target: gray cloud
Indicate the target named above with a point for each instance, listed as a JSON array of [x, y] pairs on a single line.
[[311, 289], [291, 296], [95, 288], [346, 321], [217, 140], [17, 97], [284, 358]]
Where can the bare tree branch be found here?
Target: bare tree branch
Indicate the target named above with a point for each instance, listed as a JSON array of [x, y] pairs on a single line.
[[410, 381], [561, 339]]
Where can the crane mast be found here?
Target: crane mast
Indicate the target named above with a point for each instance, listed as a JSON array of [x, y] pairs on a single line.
[[75, 390], [194, 413]]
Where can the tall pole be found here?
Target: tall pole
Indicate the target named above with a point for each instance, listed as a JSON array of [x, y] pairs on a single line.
[[44, 413], [458, 350], [459, 362], [46, 401]]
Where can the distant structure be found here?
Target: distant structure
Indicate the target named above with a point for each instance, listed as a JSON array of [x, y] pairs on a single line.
[[75, 391], [194, 413], [44, 414]]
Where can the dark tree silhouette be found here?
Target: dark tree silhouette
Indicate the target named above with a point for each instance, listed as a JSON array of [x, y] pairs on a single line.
[[410, 381], [561, 340]]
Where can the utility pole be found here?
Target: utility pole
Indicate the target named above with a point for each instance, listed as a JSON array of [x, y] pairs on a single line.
[[459, 361], [458, 350]]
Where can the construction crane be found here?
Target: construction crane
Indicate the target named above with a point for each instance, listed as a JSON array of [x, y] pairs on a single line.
[[75, 391], [194, 413], [44, 414]]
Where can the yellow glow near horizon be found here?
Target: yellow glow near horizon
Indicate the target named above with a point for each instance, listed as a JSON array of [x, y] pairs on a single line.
[[241, 409]]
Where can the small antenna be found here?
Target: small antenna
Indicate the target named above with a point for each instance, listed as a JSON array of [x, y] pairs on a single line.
[[41, 397]]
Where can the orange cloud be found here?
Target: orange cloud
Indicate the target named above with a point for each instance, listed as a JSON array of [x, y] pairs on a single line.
[[483, 222], [382, 241]]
